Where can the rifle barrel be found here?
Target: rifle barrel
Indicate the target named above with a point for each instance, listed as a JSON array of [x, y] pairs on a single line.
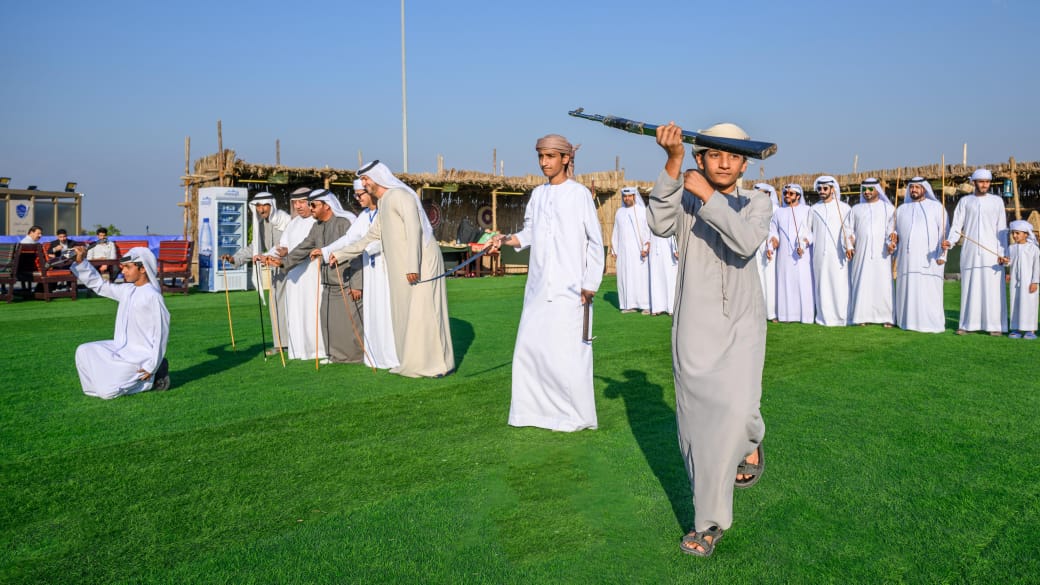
[[752, 148]]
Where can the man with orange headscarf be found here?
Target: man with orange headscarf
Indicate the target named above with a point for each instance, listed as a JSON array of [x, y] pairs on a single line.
[[552, 362]]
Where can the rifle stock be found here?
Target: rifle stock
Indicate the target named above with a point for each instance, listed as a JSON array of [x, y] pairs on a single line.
[[750, 148]]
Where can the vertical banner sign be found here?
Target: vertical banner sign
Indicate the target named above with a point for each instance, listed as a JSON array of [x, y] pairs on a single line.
[[20, 216]]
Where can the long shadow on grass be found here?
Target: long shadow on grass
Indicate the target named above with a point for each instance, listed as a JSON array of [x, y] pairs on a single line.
[[461, 338], [613, 299], [223, 359], [653, 425]]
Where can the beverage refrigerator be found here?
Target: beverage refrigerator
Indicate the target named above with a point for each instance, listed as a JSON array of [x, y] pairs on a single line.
[[223, 217]]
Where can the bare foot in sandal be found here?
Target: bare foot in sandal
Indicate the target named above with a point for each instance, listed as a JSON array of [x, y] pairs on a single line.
[[749, 471], [701, 544]]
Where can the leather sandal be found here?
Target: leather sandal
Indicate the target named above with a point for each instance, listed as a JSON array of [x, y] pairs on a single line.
[[753, 469], [701, 539]]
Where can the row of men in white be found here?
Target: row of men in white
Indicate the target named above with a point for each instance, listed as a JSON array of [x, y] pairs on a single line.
[[831, 263], [646, 263]]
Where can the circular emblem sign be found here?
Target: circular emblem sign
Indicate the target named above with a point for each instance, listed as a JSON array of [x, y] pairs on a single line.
[[433, 213]]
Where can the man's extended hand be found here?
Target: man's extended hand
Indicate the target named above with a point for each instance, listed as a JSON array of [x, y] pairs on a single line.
[[80, 252]]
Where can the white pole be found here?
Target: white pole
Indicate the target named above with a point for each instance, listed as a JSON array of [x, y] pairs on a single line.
[[404, 97]]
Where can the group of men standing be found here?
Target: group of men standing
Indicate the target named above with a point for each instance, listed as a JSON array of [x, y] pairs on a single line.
[[646, 263], [832, 264], [349, 288]]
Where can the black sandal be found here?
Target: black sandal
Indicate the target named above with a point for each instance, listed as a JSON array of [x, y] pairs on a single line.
[[701, 539], [753, 469]]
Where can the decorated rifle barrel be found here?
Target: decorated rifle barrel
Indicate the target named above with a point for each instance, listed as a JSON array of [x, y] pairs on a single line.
[[752, 148]]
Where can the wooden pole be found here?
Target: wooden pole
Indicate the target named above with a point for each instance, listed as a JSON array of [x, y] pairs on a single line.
[[494, 210], [360, 162], [277, 152], [220, 154], [187, 184], [855, 164], [1014, 189], [494, 161]]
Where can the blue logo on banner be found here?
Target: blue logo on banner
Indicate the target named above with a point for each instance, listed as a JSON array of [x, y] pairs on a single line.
[[22, 210]]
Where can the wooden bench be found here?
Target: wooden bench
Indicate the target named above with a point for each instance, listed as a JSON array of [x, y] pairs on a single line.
[[123, 247], [175, 263], [8, 270], [49, 278]]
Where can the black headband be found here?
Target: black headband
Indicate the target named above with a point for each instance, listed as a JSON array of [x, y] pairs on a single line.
[[318, 195], [367, 167]]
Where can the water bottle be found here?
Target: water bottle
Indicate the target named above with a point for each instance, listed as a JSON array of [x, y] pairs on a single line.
[[205, 244], [1008, 188]]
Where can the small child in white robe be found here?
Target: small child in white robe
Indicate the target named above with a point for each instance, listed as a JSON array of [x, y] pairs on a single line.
[[1024, 280]]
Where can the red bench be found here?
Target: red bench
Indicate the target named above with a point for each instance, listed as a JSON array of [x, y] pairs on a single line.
[[175, 264]]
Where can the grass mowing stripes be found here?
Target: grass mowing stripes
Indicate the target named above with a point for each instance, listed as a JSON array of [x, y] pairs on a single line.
[[892, 457]]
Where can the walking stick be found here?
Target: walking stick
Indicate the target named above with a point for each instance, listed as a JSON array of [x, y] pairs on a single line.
[[943, 185], [353, 325], [973, 241], [317, 313], [227, 299], [273, 300], [260, 310]]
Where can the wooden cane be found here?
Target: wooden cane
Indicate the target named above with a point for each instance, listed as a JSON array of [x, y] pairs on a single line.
[[966, 237], [227, 299], [274, 310], [353, 325], [943, 187], [317, 313]]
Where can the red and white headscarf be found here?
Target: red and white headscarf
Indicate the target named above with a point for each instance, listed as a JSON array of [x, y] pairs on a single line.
[[560, 145]]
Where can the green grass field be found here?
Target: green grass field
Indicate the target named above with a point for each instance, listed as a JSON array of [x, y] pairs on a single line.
[[892, 457]]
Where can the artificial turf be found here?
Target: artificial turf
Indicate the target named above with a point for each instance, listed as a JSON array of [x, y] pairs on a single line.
[[892, 457]]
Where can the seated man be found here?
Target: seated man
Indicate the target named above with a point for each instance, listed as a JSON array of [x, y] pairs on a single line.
[[32, 236], [133, 361], [103, 249], [63, 243]]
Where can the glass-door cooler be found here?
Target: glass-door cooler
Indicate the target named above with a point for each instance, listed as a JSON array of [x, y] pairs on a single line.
[[223, 216]]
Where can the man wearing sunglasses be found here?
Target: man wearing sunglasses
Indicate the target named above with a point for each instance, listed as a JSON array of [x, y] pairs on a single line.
[[341, 285], [870, 277]]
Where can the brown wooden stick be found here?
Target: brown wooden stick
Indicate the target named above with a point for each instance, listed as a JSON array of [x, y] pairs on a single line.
[[966, 237], [227, 299], [353, 325], [274, 310], [317, 313]]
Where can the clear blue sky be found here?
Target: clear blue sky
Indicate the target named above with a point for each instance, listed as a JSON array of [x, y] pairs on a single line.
[[103, 93]]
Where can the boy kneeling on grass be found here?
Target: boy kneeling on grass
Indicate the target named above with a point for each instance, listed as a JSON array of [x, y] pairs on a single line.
[[1024, 278]]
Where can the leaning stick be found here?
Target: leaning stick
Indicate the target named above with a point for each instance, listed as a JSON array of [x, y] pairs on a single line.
[[966, 237], [353, 324], [260, 309], [943, 187], [227, 299], [273, 300], [317, 313]]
